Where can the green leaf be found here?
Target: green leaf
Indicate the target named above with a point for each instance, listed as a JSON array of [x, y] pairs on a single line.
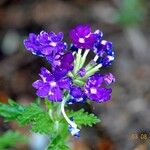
[[83, 118], [11, 110], [59, 136], [32, 115], [39, 121], [37, 117], [42, 124], [30, 112], [57, 143], [10, 138]]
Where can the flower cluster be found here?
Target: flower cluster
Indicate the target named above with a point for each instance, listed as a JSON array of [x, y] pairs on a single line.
[[69, 75], [50, 86], [95, 89], [46, 44]]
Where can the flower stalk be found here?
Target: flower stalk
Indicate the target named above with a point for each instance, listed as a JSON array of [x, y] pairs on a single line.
[[72, 125], [83, 58], [77, 61]]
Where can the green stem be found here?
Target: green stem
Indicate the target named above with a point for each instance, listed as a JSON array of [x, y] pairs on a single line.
[[83, 58], [64, 114], [79, 81], [50, 112], [92, 71], [77, 61], [89, 66]]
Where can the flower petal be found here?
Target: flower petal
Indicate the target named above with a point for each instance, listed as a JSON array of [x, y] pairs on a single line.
[[37, 84], [55, 94], [43, 91]]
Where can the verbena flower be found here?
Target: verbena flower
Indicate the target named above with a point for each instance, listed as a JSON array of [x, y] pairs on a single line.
[[82, 72], [70, 80], [82, 37], [109, 78], [45, 44], [104, 51], [74, 131], [95, 87], [63, 64], [49, 87], [77, 95]]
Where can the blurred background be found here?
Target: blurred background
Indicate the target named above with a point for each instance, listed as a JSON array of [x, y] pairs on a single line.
[[124, 22]]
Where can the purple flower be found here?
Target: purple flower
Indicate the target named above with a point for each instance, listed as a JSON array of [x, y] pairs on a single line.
[[109, 78], [82, 72], [48, 86], [73, 48], [105, 52], [63, 64], [45, 44], [82, 37], [77, 95], [98, 34], [95, 88]]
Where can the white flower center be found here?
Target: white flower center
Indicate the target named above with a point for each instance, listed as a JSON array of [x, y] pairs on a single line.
[[111, 58], [53, 83], [103, 42], [81, 40], [51, 93], [53, 43], [97, 32], [93, 90]]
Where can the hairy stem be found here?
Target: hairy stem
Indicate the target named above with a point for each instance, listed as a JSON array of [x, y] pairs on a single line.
[[77, 61], [64, 113], [84, 58]]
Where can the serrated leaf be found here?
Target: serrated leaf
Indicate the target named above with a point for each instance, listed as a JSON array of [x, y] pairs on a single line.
[[37, 117], [32, 115], [11, 110], [42, 124], [84, 118], [10, 139], [29, 114], [58, 143]]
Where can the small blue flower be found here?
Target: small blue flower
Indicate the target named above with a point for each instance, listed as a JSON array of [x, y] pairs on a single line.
[[73, 48], [76, 95], [74, 130], [104, 50]]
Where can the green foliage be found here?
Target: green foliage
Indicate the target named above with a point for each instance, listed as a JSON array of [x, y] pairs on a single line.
[[29, 114], [42, 124], [47, 121], [10, 138], [131, 12], [84, 118], [37, 117], [11, 110], [32, 114], [39, 120], [58, 144]]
